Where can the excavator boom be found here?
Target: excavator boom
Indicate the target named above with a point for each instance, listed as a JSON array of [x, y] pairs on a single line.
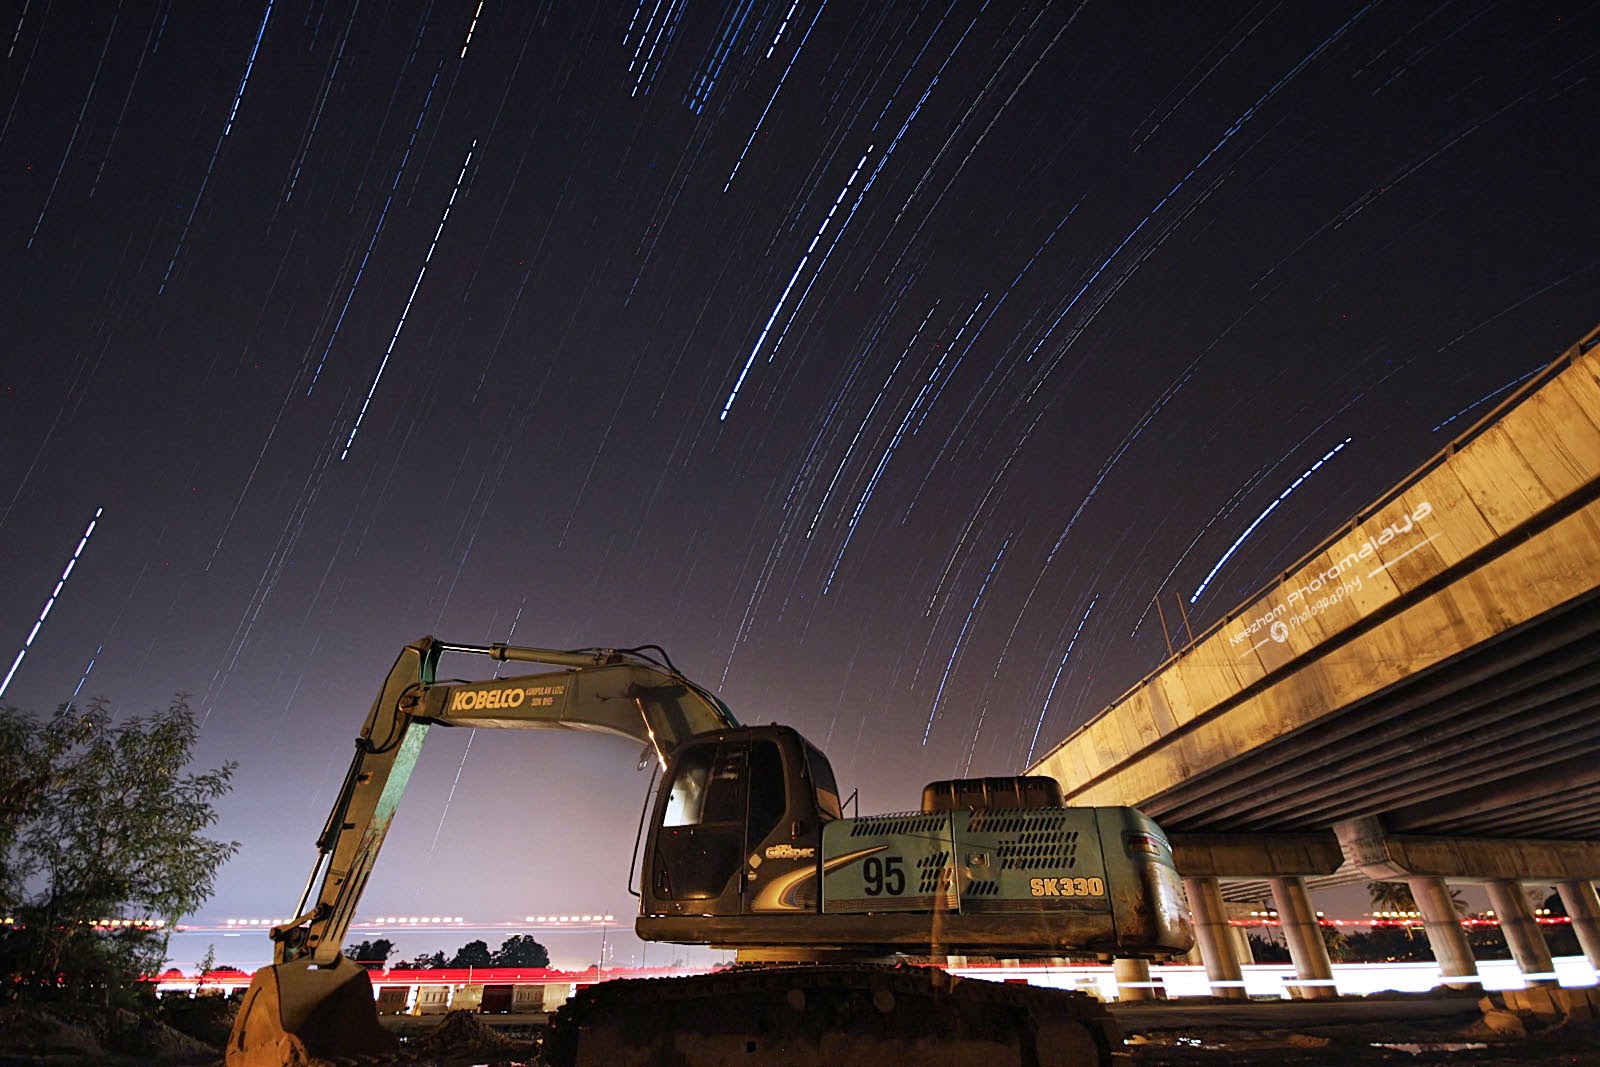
[[311, 994]]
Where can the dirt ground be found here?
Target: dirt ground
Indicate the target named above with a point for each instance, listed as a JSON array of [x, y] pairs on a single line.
[[1365, 1045], [1545, 1027], [31, 1036], [32, 1039], [1459, 1041]]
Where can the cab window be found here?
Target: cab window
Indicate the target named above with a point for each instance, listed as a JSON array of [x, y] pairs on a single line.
[[725, 788], [769, 797], [687, 798], [822, 778]]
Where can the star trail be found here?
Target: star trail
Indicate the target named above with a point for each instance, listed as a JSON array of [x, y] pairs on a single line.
[[894, 366], [50, 602]]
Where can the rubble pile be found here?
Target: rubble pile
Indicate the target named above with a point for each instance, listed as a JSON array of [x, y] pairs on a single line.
[[465, 1033], [71, 1037]]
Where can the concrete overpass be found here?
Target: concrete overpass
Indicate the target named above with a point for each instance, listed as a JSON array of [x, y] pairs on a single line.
[[1415, 699]]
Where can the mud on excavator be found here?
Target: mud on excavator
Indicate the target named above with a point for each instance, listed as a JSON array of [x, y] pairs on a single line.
[[749, 849]]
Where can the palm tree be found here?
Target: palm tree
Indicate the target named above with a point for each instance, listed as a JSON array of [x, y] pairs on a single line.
[[1396, 896], [1391, 896]]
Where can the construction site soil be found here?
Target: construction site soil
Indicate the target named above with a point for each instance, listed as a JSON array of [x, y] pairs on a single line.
[[35, 1037], [1368, 1045]]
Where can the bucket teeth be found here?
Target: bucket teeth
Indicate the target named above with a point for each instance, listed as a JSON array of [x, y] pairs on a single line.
[[298, 1014]]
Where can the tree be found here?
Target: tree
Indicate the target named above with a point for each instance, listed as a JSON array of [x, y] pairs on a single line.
[[206, 964], [29, 759], [1337, 944], [1386, 943], [370, 951], [1266, 950], [1391, 896], [426, 962], [100, 820], [473, 954], [1396, 896], [521, 950]]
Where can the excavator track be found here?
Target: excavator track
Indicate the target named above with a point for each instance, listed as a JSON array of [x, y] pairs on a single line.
[[850, 1014]]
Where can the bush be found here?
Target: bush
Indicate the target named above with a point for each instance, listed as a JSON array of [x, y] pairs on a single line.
[[206, 1016], [99, 820]]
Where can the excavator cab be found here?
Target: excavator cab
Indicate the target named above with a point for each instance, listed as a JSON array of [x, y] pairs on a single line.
[[730, 802]]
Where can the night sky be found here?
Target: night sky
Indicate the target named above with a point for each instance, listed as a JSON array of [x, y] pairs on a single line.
[[883, 362]]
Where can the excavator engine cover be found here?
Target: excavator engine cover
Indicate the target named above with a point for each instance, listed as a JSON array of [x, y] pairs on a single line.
[[296, 1012]]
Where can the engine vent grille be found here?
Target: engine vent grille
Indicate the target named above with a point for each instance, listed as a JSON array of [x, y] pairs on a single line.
[[1008, 822], [1039, 852], [935, 872], [910, 823], [1030, 840]]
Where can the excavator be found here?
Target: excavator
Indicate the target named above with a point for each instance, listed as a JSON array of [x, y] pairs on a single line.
[[749, 849]]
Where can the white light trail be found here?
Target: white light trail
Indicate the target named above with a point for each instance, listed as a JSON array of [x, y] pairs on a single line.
[[774, 46], [778, 307], [1170, 227], [244, 83], [22, 18], [955, 652], [774, 97], [865, 420], [76, 126], [98, 649], [1057, 679], [322, 103], [669, 23], [719, 58], [377, 230], [1487, 397], [1251, 528], [638, 48], [468, 42], [407, 309], [51, 602]]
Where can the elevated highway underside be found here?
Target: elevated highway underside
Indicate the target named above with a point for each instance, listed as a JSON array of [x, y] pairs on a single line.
[[1417, 699], [1501, 739], [1436, 662]]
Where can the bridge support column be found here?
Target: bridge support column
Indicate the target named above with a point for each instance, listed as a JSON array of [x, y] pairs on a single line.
[[1306, 947], [1134, 982], [1583, 908], [1445, 936], [1215, 938], [1521, 932]]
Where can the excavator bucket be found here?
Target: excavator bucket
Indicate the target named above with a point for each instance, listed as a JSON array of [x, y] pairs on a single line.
[[296, 1013]]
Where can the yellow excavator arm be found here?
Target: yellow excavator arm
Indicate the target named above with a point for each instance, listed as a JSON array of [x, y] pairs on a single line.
[[610, 691]]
